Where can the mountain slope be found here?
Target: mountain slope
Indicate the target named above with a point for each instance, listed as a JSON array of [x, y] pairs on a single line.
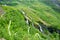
[[45, 13], [25, 20], [55, 4]]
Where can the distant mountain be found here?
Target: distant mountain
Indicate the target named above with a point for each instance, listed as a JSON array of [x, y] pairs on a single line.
[[55, 4]]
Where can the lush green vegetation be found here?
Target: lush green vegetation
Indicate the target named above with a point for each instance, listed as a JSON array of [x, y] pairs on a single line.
[[13, 25]]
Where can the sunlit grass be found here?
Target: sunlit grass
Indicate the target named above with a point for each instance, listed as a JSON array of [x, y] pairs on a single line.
[[13, 25]]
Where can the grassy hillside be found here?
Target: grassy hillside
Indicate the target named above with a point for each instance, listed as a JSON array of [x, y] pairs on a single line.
[[13, 18]]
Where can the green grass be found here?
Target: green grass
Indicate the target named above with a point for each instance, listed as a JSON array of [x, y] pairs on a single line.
[[14, 27]]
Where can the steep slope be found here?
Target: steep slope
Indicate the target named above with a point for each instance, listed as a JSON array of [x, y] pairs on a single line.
[[22, 21], [13, 26], [46, 15]]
